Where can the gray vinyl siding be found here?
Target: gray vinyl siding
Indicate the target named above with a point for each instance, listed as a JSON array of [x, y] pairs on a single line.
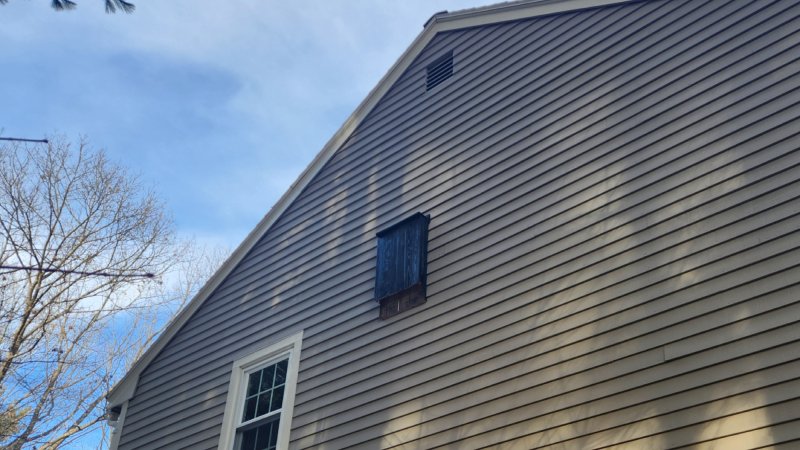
[[614, 249]]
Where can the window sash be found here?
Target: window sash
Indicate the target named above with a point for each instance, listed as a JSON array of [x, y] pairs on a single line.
[[241, 442], [255, 421], [280, 364]]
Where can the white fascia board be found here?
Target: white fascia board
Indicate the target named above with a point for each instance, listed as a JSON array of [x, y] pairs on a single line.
[[124, 390], [505, 12]]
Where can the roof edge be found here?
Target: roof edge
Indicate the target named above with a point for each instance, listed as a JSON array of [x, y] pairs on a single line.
[[439, 22], [516, 10]]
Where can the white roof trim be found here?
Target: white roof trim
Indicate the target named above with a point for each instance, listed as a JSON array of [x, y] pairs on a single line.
[[438, 23], [504, 12]]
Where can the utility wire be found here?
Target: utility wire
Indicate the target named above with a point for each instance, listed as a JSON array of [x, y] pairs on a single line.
[[77, 272], [40, 141], [81, 272]]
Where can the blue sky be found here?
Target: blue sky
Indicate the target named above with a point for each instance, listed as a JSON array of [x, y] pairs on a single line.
[[218, 105]]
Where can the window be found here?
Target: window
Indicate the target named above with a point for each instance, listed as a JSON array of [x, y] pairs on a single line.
[[401, 269], [258, 411]]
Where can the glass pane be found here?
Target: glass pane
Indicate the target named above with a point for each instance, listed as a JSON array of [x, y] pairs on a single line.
[[273, 436], [253, 382], [277, 399], [263, 437], [263, 404], [250, 408], [280, 372], [249, 439], [268, 437], [269, 373]]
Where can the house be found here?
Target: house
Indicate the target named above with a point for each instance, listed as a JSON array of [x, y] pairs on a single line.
[[553, 224]]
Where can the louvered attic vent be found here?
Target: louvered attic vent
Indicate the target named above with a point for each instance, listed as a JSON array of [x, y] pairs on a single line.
[[439, 70]]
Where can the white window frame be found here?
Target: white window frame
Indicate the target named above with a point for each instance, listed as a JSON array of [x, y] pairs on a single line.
[[234, 406]]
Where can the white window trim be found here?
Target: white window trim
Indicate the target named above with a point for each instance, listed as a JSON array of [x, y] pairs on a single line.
[[236, 389]]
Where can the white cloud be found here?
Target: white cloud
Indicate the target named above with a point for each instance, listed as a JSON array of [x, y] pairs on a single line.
[[221, 104]]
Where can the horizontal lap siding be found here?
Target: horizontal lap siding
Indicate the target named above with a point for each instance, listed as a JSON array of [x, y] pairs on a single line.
[[613, 249]]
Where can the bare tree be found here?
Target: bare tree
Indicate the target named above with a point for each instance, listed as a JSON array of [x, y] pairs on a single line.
[[79, 240]]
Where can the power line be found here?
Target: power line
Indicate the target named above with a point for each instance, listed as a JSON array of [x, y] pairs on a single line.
[[81, 272], [40, 141]]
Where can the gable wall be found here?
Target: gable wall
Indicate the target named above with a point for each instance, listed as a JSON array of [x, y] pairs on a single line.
[[613, 197]]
